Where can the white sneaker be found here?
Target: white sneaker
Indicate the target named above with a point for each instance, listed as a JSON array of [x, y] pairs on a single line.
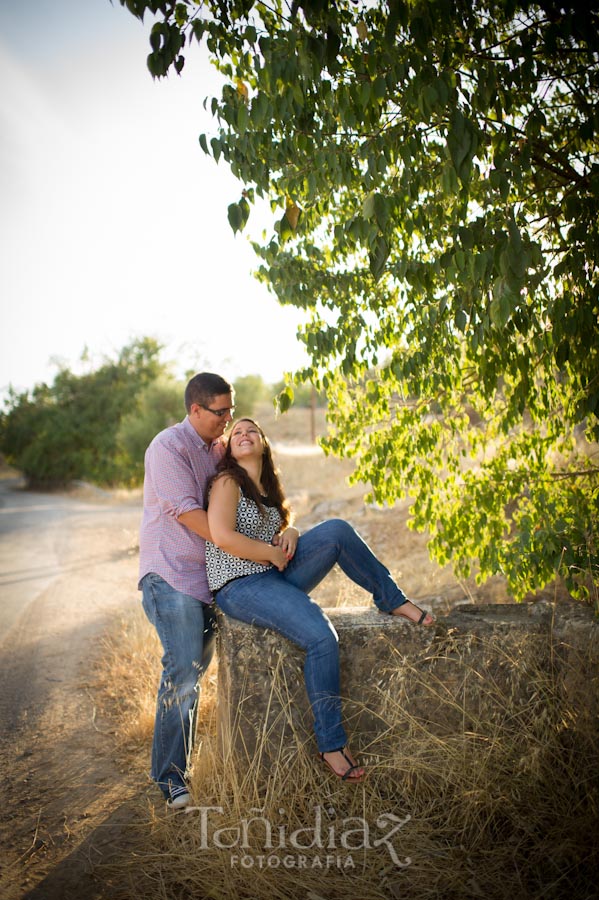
[[180, 801]]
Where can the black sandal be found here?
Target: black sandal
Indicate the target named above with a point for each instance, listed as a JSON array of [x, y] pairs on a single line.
[[423, 614], [347, 776]]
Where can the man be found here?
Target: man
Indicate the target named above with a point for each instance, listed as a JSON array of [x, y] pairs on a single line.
[[178, 465]]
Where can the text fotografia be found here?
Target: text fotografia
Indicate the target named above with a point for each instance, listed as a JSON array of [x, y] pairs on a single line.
[[350, 834]]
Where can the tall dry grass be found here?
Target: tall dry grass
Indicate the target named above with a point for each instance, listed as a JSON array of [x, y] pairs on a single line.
[[504, 805]]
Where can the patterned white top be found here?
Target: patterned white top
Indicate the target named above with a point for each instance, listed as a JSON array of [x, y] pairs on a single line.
[[222, 567]]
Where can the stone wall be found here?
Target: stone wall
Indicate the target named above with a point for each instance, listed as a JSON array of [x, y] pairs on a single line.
[[471, 665]]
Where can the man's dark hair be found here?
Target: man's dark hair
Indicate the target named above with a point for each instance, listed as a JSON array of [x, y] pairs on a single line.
[[204, 387]]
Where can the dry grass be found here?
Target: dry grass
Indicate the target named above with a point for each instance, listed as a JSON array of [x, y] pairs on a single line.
[[125, 679], [502, 807]]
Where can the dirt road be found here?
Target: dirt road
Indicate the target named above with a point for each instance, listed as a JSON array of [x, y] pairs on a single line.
[[68, 566]]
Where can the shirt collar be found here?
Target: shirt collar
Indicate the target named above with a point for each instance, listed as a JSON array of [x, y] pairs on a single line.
[[196, 438]]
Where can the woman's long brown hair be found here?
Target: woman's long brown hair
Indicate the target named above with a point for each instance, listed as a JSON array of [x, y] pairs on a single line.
[[270, 477]]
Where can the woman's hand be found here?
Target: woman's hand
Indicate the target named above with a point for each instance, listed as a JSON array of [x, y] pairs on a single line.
[[222, 522], [287, 541], [278, 557]]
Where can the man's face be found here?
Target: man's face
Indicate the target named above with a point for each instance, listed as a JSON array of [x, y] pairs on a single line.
[[211, 420]]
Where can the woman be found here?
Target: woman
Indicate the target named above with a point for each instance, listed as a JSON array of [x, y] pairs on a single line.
[[261, 572]]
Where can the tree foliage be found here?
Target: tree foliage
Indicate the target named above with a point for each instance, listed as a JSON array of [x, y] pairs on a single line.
[[69, 430], [301, 394], [97, 426], [157, 405], [249, 391], [433, 171]]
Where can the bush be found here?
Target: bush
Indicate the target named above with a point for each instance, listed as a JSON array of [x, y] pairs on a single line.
[[249, 391], [158, 405], [68, 430]]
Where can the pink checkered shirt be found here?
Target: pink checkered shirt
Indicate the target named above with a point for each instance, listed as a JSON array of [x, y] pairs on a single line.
[[178, 465]]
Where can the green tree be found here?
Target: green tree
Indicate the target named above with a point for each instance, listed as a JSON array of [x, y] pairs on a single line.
[[433, 170], [157, 405], [68, 430], [249, 390]]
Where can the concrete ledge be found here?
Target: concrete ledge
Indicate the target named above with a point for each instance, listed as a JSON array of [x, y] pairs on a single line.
[[445, 677]]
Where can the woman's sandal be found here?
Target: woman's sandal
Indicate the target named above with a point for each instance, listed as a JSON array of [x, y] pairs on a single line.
[[422, 617], [347, 775], [420, 620]]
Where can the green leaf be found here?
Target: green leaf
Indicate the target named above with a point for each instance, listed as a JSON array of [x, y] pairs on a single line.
[[380, 88], [381, 210], [500, 306], [365, 92], [368, 207], [461, 143], [379, 256], [284, 228], [461, 320], [449, 179], [181, 14], [156, 64], [285, 399], [156, 36], [244, 208], [235, 216]]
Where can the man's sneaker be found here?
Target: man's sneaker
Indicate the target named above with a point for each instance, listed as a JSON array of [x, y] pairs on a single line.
[[179, 801]]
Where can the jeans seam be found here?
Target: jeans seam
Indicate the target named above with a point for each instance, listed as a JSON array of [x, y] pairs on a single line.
[[165, 667]]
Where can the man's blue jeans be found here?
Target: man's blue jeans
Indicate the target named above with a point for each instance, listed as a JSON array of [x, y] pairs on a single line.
[[280, 601], [186, 628]]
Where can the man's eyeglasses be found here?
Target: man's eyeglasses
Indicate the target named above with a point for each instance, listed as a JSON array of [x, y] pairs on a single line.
[[218, 412]]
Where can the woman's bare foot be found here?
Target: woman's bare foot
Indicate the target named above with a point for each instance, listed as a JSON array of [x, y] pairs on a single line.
[[342, 763], [409, 610]]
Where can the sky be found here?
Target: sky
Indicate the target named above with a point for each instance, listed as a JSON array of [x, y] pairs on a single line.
[[113, 222]]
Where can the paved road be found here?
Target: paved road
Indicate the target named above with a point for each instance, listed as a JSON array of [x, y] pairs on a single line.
[[36, 531], [28, 559], [68, 568]]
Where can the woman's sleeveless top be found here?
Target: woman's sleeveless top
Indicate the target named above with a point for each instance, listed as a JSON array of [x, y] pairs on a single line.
[[221, 567]]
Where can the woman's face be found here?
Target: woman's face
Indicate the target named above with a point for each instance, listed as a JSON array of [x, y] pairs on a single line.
[[245, 440]]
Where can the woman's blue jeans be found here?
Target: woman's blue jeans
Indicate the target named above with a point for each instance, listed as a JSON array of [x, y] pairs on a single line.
[[186, 628], [280, 601]]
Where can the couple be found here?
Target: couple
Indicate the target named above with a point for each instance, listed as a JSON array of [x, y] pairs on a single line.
[[244, 554]]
